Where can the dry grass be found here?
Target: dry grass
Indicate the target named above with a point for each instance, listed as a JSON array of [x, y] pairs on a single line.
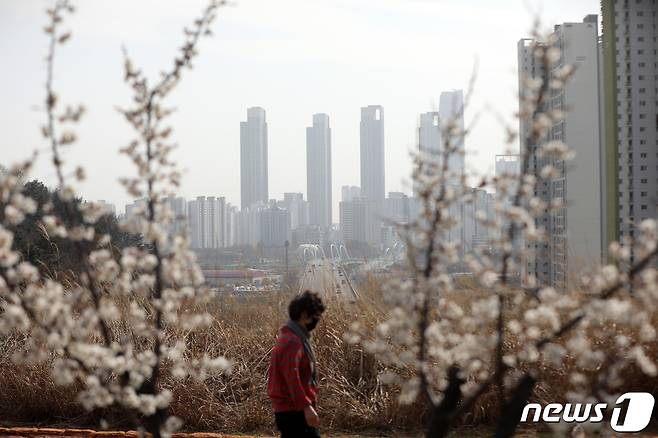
[[351, 399], [244, 330]]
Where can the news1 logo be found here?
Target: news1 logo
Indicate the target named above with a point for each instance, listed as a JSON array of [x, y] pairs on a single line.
[[631, 412]]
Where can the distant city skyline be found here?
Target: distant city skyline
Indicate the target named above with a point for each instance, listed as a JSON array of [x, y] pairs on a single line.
[[600, 193], [282, 56]]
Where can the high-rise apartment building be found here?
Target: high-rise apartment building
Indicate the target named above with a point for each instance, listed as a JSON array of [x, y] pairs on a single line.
[[218, 231], [178, 208], [373, 179], [429, 134], [298, 209], [232, 221], [253, 158], [575, 230], [350, 192], [249, 225], [451, 110], [207, 221], [196, 220], [137, 208], [508, 168], [433, 132], [318, 171], [274, 227], [358, 221], [400, 208], [538, 262], [630, 85], [476, 234]]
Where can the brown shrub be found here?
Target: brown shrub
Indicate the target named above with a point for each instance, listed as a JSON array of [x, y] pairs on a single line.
[[351, 396]]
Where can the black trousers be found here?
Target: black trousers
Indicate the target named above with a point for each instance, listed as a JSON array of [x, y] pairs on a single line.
[[292, 424]]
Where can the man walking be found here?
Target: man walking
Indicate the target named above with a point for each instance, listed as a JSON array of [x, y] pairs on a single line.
[[292, 378]]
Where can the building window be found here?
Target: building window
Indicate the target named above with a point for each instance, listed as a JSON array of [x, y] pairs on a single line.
[[644, 207], [643, 181]]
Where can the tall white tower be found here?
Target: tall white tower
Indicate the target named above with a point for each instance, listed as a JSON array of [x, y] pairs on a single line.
[[253, 158], [318, 171], [373, 179]]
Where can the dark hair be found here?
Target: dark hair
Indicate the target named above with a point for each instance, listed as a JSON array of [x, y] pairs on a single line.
[[309, 302]]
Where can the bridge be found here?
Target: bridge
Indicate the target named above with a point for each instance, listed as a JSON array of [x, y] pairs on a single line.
[[327, 275]]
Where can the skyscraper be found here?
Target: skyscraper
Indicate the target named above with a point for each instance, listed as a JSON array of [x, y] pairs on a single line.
[[297, 209], [630, 75], [207, 220], [575, 230], [429, 134], [451, 110], [372, 153], [318, 171], [253, 158]]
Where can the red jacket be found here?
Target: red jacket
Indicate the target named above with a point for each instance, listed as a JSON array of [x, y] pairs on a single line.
[[289, 377]]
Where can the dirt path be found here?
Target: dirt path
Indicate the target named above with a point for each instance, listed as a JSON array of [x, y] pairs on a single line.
[[30, 432]]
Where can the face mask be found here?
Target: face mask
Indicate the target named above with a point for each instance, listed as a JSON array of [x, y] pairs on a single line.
[[311, 325]]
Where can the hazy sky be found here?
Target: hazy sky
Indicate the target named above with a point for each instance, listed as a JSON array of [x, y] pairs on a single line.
[[292, 57]]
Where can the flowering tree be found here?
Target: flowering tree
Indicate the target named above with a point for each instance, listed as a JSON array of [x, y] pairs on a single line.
[[455, 348], [120, 326]]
